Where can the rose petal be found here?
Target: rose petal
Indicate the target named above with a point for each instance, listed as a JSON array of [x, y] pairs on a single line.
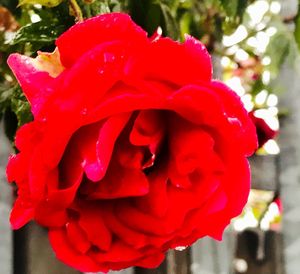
[[148, 130], [199, 105], [46, 215], [36, 84], [95, 31], [21, 213], [77, 237], [109, 133], [16, 170], [192, 62], [237, 184], [141, 221], [234, 108], [119, 183], [95, 228], [129, 236], [67, 254], [118, 252], [92, 146], [156, 202], [72, 109]]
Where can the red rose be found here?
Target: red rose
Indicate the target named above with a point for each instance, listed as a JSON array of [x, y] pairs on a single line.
[[263, 130], [133, 149]]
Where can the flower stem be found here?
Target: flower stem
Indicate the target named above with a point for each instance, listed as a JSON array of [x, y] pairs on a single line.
[[76, 11]]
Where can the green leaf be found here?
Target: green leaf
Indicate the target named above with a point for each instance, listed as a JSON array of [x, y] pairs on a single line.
[[11, 5], [230, 7], [234, 8], [170, 23], [155, 18], [14, 108], [41, 32], [278, 49], [241, 8], [94, 8], [20, 106], [151, 14], [47, 3], [5, 95], [257, 87], [185, 24]]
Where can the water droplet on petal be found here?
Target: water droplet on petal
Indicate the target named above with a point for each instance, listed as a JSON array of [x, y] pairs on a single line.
[[180, 248], [92, 56], [109, 57], [84, 111], [234, 121]]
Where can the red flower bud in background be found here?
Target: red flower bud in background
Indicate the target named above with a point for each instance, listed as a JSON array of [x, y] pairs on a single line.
[[263, 130]]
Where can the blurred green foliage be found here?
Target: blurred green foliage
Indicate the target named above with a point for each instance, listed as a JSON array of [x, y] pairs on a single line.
[[47, 3]]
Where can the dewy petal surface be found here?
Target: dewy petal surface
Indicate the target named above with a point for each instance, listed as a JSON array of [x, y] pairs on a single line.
[[37, 84], [133, 149], [192, 62], [95, 31]]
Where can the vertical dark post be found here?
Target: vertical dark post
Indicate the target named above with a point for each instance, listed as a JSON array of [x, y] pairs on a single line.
[[34, 255], [162, 269], [179, 262], [20, 248], [249, 244], [176, 262]]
